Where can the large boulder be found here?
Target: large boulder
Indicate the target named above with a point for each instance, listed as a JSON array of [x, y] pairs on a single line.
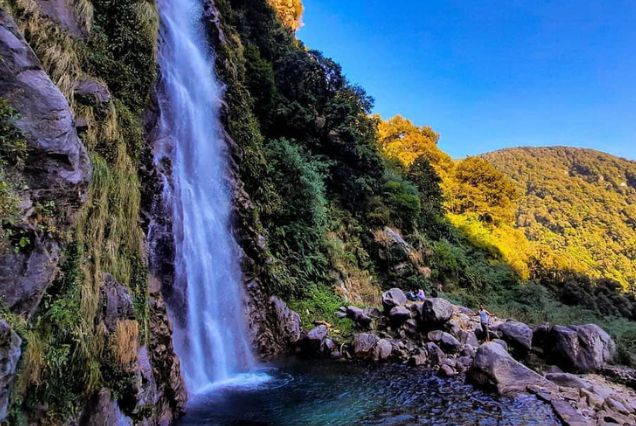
[[435, 354], [517, 334], [383, 350], [313, 341], [445, 340], [9, 355], [399, 314], [579, 348], [436, 311], [392, 298], [359, 316], [494, 367], [287, 324], [364, 345], [449, 343]]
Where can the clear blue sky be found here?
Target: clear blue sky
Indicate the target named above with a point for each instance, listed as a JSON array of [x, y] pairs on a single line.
[[491, 74]]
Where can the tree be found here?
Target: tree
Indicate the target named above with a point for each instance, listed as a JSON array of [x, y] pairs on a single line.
[[424, 176], [478, 187], [399, 138]]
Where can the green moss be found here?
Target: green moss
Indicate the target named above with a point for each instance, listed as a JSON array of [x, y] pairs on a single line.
[[320, 303]]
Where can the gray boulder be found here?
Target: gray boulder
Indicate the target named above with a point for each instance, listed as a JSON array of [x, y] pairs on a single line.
[[449, 343], [383, 350], [399, 314], [313, 341], [364, 345], [502, 343], [494, 367], [9, 356], [436, 310], [359, 316], [446, 370], [468, 338], [419, 357], [579, 348], [392, 298], [517, 334], [568, 380], [435, 354]]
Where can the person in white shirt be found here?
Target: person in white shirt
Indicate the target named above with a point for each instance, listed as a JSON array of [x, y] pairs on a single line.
[[484, 318]]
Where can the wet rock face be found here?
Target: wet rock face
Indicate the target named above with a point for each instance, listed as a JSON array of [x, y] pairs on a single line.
[[287, 324], [116, 303], [579, 348], [103, 410], [25, 276], [165, 363], [63, 12], [9, 356], [57, 168], [92, 92]]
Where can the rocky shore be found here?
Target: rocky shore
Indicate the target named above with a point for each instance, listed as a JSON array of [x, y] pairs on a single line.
[[568, 367]]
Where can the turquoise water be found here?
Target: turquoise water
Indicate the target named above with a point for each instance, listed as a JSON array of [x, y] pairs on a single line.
[[346, 394]]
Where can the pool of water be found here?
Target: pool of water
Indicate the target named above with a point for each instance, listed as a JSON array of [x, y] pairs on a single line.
[[319, 393]]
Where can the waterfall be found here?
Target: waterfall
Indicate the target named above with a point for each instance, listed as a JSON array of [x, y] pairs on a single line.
[[210, 334]]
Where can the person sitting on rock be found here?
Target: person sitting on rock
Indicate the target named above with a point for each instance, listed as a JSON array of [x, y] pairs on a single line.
[[411, 295], [484, 318], [421, 295]]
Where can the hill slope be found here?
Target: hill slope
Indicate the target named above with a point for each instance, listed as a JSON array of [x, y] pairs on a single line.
[[578, 206]]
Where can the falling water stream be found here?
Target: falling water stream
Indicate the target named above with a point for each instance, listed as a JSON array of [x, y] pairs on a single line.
[[211, 336]]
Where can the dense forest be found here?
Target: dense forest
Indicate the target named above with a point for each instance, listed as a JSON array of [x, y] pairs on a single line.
[[341, 204], [578, 207]]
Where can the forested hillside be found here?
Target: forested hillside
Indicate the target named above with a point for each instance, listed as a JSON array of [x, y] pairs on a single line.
[[577, 207]]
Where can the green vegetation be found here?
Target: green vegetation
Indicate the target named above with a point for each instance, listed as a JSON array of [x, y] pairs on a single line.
[[67, 356], [13, 151]]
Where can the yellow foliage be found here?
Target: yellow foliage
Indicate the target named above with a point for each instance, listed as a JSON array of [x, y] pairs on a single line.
[[289, 12], [503, 241], [400, 139]]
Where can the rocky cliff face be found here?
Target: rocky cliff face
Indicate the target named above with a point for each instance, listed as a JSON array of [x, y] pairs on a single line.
[[57, 168], [74, 242]]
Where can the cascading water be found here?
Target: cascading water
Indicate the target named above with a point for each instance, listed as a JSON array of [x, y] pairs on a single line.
[[211, 336]]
